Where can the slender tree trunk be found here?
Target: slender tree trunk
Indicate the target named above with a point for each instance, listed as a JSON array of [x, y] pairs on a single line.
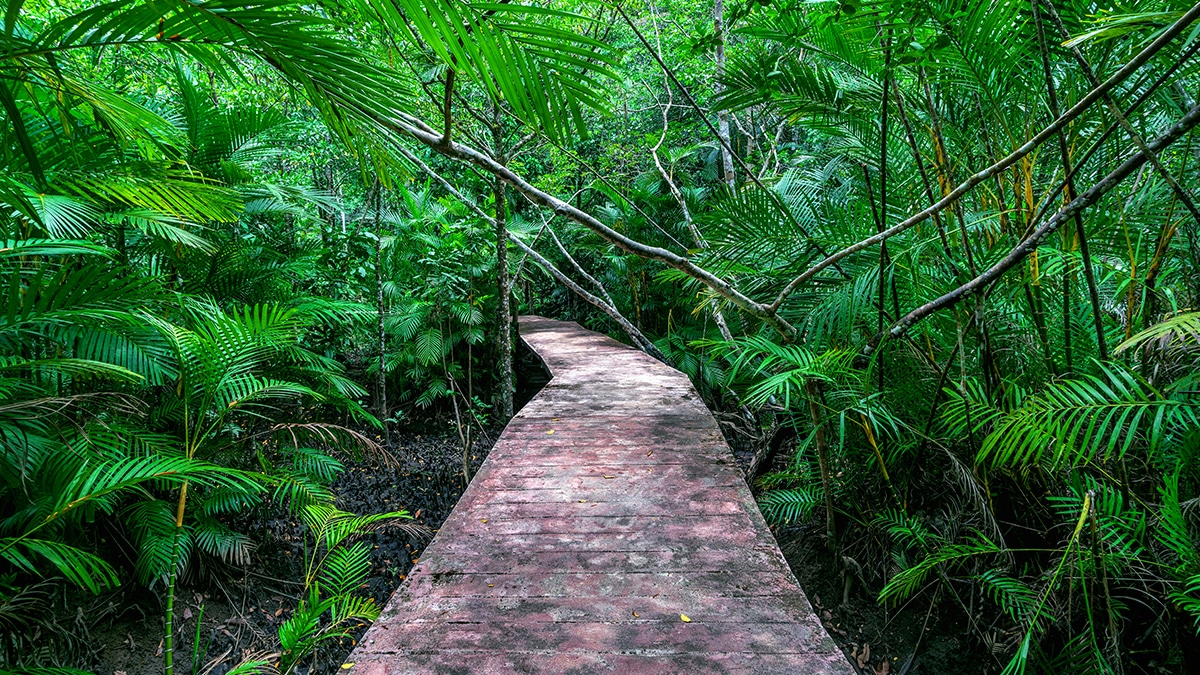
[[381, 311], [504, 330], [1068, 347], [881, 219], [925, 184], [816, 401], [727, 174], [1089, 274], [172, 577], [1039, 321], [945, 170], [880, 311], [885, 256]]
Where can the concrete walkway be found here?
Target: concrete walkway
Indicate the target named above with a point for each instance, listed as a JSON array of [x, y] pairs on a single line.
[[608, 531]]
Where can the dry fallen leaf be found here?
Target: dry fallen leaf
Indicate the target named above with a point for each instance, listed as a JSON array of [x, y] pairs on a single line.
[[550, 432], [864, 656], [279, 611], [347, 666], [483, 520], [610, 476], [684, 618]]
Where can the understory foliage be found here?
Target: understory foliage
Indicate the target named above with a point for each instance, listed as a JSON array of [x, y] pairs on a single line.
[[241, 240]]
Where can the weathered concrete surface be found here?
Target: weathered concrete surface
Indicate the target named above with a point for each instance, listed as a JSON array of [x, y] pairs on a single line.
[[609, 507]]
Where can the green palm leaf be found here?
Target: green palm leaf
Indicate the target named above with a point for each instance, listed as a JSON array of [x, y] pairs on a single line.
[[1093, 418]]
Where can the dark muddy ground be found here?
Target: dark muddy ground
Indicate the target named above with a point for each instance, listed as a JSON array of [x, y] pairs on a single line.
[[918, 638], [240, 610]]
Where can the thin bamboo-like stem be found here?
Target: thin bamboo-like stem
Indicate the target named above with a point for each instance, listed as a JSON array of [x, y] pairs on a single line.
[[925, 184], [1085, 103], [1089, 273], [816, 402], [945, 171], [380, 311], [866, 425], [1161, 245], [1018, 253]]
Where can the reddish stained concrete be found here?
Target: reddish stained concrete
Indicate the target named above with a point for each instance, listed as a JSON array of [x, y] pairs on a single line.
[[610, 506]]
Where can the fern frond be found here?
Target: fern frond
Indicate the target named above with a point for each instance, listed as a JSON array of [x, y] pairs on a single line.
[[1094, 418], [793, 505], [79, 567]]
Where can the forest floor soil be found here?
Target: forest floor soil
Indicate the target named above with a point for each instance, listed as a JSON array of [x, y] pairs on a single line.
[[244, 607], [917, 638]]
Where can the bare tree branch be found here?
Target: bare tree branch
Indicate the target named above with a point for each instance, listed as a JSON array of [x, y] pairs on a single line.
[[469, 155], [1045, 134], [635, 335], [1018, 253]]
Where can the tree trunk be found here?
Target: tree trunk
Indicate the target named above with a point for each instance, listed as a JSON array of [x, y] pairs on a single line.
[[381, 310], [1089, 275], [727, 174], [504, 330], [816, 399]]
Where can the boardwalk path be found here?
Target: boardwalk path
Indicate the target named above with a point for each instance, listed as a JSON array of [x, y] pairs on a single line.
[[609, 507]]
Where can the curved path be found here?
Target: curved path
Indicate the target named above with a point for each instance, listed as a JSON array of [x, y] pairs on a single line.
[[608, 511]]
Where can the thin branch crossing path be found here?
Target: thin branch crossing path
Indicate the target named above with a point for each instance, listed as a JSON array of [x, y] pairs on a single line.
[[609, 530]]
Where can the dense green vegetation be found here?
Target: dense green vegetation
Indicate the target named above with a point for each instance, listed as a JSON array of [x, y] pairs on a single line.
[[937, 259]]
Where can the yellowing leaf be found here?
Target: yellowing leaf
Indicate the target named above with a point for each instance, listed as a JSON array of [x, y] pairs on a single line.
[[550, 432], [684, 618], [347, 666]]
